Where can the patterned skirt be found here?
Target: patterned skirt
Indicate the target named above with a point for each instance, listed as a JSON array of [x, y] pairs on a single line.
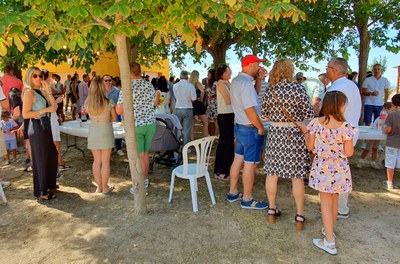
[[286, 155]]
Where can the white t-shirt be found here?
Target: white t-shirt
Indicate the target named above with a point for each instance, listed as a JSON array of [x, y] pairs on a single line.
[[372, 84], [353, 108], [243, 96], [185, 94]]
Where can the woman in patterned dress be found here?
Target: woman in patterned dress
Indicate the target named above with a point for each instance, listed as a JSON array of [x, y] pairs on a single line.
[[286, 155], [212, 102]]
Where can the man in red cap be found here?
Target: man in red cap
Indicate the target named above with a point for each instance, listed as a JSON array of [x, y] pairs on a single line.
[[249, 131]]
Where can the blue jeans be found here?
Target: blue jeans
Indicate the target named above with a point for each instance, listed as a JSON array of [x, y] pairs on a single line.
[[185, 116], [249, 143], [370, 110]]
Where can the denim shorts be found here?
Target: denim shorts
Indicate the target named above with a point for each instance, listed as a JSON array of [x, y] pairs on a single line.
[[370, 110], [249, 143]]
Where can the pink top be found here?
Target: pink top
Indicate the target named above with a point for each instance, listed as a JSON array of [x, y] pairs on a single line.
[[9, 82]]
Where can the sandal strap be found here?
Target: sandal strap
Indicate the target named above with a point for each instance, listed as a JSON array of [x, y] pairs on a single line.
[[303, 219], [329, 244]]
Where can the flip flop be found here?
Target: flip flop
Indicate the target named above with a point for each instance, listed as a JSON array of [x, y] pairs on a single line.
[[47, 197], [28, 169], [109, 189]]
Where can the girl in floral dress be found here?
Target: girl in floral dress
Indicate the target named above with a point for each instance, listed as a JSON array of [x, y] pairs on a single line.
[[330, 138]]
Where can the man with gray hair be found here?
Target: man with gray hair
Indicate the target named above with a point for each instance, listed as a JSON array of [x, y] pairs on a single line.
[[185, 95], [336, 72]]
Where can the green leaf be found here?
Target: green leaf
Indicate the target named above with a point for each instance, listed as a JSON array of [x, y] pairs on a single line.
[[3, 48], [97, 11], [125, 10], [19, 44], [75, 12], [231, 3], [113, 10], [82, 42], [83, 12]]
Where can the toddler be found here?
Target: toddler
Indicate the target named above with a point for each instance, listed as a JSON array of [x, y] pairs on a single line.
[[9, 128]]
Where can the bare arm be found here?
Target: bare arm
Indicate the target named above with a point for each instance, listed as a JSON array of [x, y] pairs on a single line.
[[157, 98], [386, 95], [4, 103], [119, 108], [113, 115], [254, 119], [348, 148], [201, 89], [315, 104]]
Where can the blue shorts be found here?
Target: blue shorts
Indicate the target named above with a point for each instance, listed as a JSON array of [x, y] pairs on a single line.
[[11, 144], [370, 110], [249, 143]]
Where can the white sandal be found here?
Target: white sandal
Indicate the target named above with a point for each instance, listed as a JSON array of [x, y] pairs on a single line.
[[327, 246], [323, 232]]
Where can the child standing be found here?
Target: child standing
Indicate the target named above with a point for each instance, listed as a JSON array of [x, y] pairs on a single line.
[[9, 128], [330, 138], [392, 153], [374, 144]]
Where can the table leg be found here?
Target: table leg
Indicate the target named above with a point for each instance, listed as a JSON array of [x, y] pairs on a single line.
[[72, 145]]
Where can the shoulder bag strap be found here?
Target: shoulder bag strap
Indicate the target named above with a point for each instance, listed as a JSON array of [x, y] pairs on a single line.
[[284, 110]]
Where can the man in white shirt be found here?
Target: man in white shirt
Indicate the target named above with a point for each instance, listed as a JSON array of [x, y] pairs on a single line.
[[185, 95], [374, 89], [336, 72], [249, 131], [68, 92]]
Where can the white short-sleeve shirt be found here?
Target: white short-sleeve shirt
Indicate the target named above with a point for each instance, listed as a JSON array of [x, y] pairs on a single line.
[[353, 107], [243, 96], [185, 94], [372, 84]]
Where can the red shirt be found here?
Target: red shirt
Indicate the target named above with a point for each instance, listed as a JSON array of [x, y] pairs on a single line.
[[9, 82]]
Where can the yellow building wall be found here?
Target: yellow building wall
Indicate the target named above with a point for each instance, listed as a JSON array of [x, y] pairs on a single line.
[[107, 64]]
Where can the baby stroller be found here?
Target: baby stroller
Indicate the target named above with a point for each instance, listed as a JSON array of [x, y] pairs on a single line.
[[167, 141]]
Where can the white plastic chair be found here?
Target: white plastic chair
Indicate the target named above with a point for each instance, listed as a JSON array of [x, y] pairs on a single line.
[[3, 196], [192, 171]]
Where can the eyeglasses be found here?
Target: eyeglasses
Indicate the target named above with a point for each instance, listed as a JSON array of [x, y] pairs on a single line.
[[34, 76], [327, 67], [107, 80]]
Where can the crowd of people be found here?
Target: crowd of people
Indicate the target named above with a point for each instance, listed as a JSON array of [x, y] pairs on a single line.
[[302, 128]]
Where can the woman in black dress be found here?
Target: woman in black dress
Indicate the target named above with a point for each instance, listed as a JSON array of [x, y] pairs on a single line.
[[38, 104]]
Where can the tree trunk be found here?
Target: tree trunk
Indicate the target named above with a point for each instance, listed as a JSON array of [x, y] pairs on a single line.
[[219, 55], [363, 52], [130, 134]]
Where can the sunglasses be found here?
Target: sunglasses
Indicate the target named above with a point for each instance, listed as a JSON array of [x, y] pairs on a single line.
[[107, 80], [34, 76]]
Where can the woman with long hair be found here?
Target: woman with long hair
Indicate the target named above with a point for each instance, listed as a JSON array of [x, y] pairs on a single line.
[[226, 119], [212, 102], [199, 108], [163, 97], [286, 156], [101, 134], [38, 102]]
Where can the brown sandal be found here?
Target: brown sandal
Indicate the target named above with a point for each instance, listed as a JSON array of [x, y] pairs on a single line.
[[273, 213], [299, 219]]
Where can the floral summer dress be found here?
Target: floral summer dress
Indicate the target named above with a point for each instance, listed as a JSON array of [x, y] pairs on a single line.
[[212, 112], [330, 171]]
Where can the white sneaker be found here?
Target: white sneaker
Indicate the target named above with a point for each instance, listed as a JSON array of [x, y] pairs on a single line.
[[381, 149], [120, 152], [375, 166], [5, 184], [360, 163]]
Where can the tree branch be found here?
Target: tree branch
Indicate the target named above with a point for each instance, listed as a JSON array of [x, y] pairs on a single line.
[[103, 23]]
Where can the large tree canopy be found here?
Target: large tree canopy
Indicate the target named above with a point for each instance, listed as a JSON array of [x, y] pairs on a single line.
[[79, 24]]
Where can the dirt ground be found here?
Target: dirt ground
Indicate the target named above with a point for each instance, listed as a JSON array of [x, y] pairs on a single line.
[[83, 227]]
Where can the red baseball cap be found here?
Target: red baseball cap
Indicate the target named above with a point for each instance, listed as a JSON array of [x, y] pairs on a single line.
[[251, 59]]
